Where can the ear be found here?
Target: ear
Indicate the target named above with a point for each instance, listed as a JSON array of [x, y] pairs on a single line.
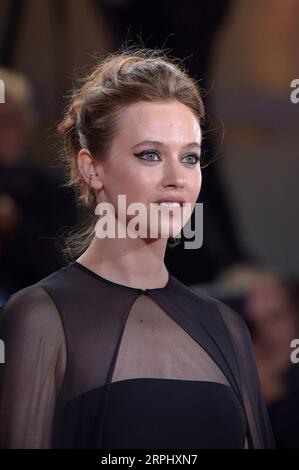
[[89, 170]]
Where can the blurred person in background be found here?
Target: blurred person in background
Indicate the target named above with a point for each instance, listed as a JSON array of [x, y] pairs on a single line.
[[269, 305], [33, 204], [272, 310]]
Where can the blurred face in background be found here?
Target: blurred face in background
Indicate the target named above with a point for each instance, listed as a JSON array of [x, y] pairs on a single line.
[[274, 318]]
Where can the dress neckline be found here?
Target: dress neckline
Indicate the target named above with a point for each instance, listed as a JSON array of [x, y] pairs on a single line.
[[88, 271]]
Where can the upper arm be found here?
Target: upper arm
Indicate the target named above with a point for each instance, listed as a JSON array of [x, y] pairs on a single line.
[[33, 340]]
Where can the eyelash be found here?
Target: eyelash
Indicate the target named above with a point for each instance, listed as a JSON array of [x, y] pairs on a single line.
[[147, 152]]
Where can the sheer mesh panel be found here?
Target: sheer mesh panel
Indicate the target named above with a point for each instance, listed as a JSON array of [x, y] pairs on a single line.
[[32, 375], [257, 415], [154, 346]]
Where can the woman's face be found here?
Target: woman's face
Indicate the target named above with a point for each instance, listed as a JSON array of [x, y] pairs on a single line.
[[155, 157]]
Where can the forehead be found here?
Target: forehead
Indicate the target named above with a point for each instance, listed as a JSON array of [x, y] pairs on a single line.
[[170, 122]]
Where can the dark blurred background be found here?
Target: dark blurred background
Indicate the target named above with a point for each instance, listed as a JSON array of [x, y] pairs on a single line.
[[244, 56]]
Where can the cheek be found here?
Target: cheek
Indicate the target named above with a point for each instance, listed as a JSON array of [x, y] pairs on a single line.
[[118, 179], [137, 186], [140, 186]]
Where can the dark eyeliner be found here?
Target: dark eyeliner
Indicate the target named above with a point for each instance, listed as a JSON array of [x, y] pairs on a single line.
[[145, 152]]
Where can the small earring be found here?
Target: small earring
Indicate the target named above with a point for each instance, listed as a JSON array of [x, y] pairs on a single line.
[[90, 176]]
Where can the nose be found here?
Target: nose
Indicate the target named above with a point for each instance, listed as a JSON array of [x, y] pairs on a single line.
[[173, 175]]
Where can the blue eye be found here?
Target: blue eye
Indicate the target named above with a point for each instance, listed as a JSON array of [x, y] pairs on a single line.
[[142, 156], [194, 156], [149, 156]]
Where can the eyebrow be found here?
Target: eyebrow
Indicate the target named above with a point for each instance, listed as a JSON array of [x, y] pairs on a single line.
[[161, 144]]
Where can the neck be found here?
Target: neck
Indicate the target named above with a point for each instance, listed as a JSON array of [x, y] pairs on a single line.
[[132, 262]]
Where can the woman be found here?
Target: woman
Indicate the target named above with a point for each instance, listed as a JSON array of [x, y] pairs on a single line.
[[111, 351]]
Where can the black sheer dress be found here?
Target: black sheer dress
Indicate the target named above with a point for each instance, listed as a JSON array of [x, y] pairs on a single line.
[[90, 363]]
